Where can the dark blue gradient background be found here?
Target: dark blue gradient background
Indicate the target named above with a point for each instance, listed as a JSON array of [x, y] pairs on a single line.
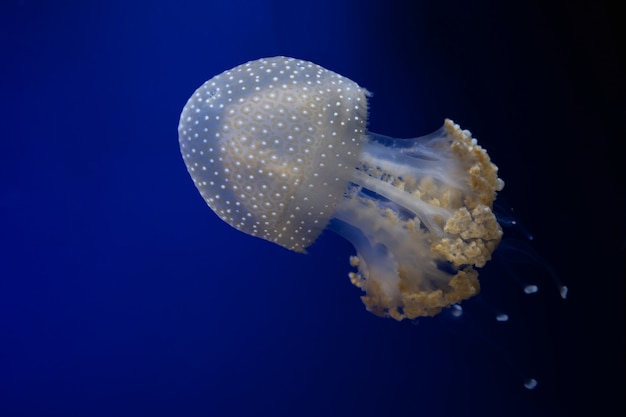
[[122, 294]]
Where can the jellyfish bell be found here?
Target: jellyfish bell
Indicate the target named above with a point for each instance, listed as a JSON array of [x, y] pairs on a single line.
[[279, 149]]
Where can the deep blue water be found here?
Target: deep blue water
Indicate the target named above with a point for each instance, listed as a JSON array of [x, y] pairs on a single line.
[[122, 294]]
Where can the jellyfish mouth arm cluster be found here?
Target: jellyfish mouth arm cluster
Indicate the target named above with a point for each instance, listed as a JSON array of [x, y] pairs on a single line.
[[418, 212]]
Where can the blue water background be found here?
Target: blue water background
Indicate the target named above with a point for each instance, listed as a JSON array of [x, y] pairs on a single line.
[[122, 294]]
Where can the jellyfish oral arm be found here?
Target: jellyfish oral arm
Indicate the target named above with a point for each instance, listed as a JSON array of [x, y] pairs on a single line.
[[418, 212]]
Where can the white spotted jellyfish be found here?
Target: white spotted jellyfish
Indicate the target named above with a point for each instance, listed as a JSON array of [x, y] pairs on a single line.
[[279, 149]]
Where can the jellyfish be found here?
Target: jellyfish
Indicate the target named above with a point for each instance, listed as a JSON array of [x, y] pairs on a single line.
[[279, 149]]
